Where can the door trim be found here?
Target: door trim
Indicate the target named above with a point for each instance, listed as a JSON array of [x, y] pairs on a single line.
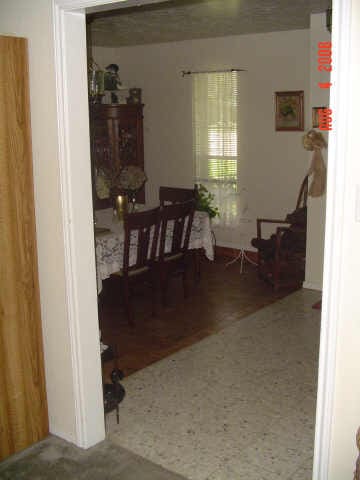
[[65, 46], [334, 244]]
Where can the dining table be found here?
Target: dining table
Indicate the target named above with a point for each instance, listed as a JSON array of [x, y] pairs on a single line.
[[110, 235]]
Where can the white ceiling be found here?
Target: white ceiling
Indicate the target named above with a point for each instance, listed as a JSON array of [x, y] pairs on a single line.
[[175, 20]]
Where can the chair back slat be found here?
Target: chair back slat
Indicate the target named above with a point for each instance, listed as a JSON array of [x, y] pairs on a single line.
[[175, 195], [143, 246], [177, 235], [303, 194], [177, 219], [142, 233]]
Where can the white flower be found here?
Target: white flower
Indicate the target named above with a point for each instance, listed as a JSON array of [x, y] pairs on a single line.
[[102, 187], [131, 178]]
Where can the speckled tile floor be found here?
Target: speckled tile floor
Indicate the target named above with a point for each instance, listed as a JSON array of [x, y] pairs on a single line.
[[240, 404]]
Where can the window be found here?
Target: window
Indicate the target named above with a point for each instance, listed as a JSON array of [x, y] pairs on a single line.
[[215, 123]]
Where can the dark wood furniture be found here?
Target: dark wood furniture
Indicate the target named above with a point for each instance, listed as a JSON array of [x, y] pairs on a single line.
[[175, 194], [116, 134], [281, 258], [143, 226], [174, 261]]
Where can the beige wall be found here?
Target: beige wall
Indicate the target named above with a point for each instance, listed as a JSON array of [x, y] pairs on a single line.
[[316, 206], [33, 20], [272, 164]]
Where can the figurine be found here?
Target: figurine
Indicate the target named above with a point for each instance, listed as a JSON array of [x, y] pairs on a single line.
[[112, 80]]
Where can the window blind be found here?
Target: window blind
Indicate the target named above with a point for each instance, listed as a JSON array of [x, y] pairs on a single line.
[[215, 140], [215, 111]]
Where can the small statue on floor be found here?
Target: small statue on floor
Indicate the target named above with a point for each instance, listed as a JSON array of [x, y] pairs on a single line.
[[115, 376], [114, 393]]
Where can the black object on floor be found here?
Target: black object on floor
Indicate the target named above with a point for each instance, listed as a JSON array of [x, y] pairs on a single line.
[[114, 392]]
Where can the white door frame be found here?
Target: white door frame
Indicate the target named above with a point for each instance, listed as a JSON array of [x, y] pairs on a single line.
[[77, 216], [70, 48], [333, 254]]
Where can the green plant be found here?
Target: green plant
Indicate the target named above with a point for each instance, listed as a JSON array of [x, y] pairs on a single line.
[[204, 201]]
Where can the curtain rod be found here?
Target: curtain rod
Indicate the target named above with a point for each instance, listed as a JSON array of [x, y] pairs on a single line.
[[184, 72]]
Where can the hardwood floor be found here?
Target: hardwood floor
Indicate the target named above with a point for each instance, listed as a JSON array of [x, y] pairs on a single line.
[[222, 297]]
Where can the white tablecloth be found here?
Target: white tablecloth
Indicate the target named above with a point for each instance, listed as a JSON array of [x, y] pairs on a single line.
[[110, 245]]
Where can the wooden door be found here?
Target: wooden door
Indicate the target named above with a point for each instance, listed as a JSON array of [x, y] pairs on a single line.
[[23, 407]]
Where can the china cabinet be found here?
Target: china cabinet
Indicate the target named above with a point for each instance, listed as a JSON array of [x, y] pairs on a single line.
[[116, 133]]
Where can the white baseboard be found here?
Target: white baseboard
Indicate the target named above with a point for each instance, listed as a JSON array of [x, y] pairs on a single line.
[[312, 286]]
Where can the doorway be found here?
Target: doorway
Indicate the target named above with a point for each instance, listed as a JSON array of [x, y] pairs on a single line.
[[74, 138]]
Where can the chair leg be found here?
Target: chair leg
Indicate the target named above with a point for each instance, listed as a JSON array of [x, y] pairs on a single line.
[[276, 275], [197, 254], [185, 283], [128, 305], [164, 280], [164, 294], [153, 305], [260, 267], [154, 289]]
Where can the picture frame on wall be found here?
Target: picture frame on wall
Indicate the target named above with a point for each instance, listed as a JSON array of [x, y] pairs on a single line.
[[289, 111], [315, 116]]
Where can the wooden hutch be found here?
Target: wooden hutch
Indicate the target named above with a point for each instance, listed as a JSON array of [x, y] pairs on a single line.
[[116, 133]]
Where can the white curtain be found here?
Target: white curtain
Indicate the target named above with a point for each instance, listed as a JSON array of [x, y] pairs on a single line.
[[215, 142]]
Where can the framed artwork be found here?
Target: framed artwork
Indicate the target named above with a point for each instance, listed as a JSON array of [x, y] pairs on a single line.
[[289, 111], [315, 116], [134, 96]]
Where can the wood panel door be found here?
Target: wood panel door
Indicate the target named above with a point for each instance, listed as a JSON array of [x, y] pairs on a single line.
[[23, 406]]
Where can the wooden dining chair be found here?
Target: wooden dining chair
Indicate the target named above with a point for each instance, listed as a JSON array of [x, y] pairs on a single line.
[[176, 223], [140, 245], [170, 195]]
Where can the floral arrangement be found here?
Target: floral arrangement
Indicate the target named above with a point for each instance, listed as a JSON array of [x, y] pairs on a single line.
[[204, 201], [131, 178], [102, 185], [288, 107], [313, 139], [109, 170], [111, 182]]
